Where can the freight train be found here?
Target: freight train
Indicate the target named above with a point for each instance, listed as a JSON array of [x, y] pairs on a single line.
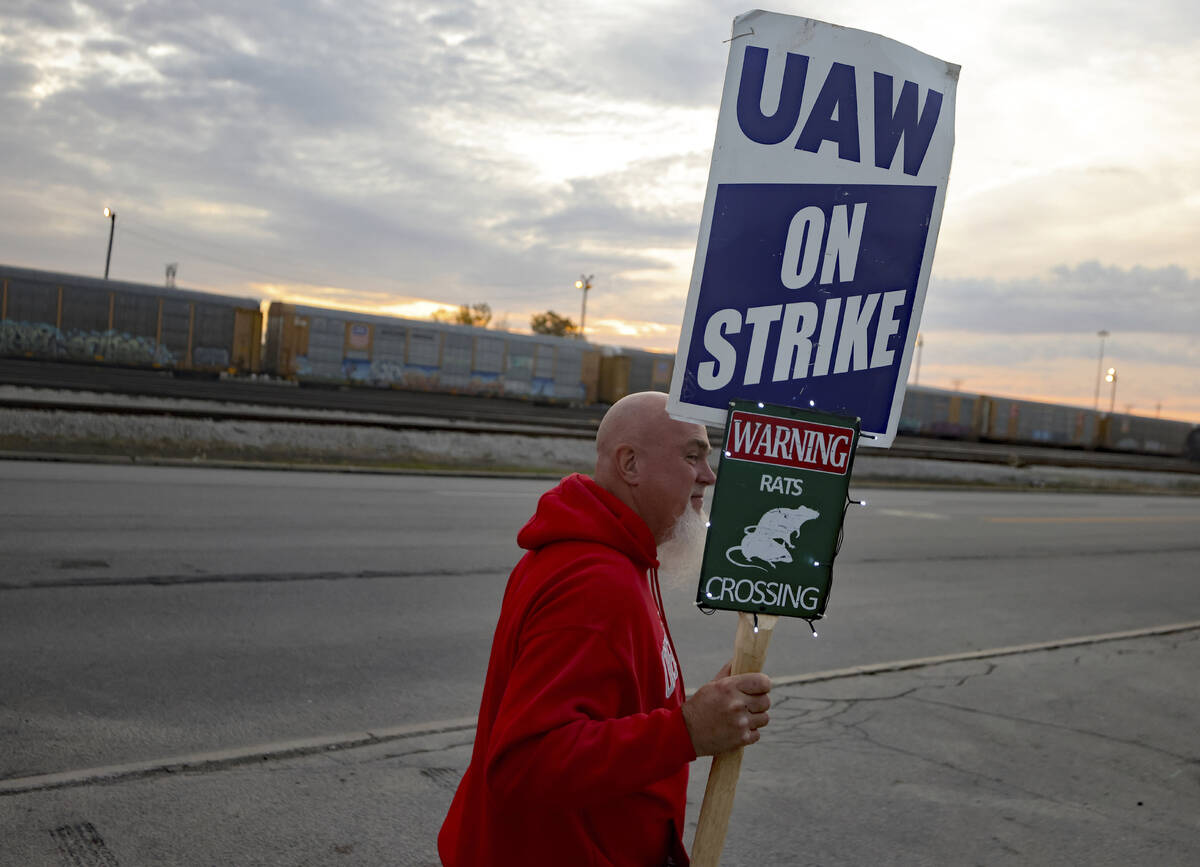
[[69, 317], [313, 344], [935, 412]]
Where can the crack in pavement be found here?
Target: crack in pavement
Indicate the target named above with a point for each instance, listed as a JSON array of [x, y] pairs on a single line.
[[1059, 727], [239, 578], [1031, 555], [977, 776], [851, 734]]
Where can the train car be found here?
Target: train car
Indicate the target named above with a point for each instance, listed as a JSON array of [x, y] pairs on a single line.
[[1153, 436], [1031, 422], [55, 316], [624, 371], [649, 371], [1005, 419], [320, 345], [935, 412]]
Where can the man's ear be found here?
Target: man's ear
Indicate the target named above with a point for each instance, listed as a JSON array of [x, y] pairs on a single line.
[[626, 462]]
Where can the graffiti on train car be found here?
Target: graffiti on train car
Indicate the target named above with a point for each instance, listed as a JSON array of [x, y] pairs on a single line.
[[66, 317], [41, 340]]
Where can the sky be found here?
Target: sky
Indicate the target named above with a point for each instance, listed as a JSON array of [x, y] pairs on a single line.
[[395, 157]]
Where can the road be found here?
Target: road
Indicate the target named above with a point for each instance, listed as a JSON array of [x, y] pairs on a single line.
[[147, 612]]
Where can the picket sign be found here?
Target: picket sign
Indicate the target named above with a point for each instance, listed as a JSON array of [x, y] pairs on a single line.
[[821, 216], [783, 482]]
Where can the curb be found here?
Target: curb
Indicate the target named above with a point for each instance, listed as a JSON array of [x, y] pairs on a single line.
[[870, 479], [221, 759]]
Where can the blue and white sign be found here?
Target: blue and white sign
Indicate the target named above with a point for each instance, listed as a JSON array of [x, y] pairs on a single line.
[[824, 200]]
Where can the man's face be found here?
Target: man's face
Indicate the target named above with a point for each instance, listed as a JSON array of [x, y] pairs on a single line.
[[674, 476]]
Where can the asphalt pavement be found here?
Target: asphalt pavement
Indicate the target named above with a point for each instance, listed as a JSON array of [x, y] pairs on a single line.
[[1084, 753], [216, 666]]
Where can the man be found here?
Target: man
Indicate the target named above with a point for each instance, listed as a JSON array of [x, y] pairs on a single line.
[[584, 738]]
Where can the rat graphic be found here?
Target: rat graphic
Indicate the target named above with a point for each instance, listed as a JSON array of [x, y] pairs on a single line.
[[770, 539]]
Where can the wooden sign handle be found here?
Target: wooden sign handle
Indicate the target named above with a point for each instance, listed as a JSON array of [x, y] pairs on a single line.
[[749, 654]]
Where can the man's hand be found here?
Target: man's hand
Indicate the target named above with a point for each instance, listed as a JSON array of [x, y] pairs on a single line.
[[727, 712]]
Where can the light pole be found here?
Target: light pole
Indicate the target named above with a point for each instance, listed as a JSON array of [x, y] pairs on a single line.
[[584, 283], [1099, 368], [112, 227], [1111, 376], [917, 374]]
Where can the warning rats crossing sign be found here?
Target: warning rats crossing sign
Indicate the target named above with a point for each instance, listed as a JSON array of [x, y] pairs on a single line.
[[777, 511]]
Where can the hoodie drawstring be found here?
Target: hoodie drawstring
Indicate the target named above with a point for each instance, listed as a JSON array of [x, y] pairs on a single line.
[[662, 616]]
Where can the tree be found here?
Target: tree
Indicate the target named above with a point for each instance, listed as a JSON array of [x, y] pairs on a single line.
[[478, 315], [553, 324]]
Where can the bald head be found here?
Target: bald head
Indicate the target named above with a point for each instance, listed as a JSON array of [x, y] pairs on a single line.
[[655, 464], [632, 420]]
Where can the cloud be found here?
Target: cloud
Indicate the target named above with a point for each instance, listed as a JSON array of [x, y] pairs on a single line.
[[374, 151], [1071, 299], [1038, 337]]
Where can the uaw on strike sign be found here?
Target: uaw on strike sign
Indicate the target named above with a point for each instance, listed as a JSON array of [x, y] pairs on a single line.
[[824, 198]]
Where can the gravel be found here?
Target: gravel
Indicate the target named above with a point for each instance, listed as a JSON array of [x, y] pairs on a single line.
[[57, 434]]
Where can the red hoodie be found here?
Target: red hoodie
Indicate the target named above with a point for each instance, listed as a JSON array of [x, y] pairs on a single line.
[[581, 751]]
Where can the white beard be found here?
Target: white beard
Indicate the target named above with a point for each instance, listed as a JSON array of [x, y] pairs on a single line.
[[680, 556]]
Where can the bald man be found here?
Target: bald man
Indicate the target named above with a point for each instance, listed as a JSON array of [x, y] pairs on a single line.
[[584, 737]]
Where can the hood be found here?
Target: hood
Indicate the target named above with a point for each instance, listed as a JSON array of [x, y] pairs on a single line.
[[579, 510]]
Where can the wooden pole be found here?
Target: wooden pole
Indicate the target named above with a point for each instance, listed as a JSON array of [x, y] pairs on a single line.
[[749, 654]]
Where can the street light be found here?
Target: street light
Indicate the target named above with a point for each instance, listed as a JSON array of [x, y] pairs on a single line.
[[584, 283], [1111, 376], [917, 375], [112, 227], [1099, 368]]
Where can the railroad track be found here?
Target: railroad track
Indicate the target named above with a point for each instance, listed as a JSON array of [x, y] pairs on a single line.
[[344, 398], [275, 403], [328, 418]]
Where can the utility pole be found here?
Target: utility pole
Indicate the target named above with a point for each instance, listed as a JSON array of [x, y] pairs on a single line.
[[112, 227], [1099, 370], [584, 283]]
